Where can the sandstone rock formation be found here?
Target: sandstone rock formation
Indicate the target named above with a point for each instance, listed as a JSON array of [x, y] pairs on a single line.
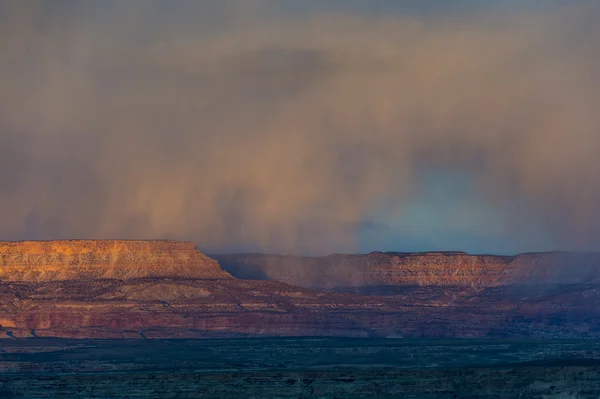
[[450, 269], [159, 289], [115, 259]]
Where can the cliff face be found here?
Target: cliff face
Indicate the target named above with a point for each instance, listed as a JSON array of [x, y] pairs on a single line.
[[159, 289], [447, 269], [114, 259]]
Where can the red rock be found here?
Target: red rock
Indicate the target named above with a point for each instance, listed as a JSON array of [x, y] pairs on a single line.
[[450, 269], [167, 289], [118, 259]]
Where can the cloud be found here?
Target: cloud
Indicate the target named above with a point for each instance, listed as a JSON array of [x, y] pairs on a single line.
[[263, 128]]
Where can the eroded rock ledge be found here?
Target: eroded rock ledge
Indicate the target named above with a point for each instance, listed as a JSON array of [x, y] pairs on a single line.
[[168, 289], [439, 269], [105, 259]]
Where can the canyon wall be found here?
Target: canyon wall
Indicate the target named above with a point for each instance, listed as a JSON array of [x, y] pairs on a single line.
[[114, 259], [168, 289], [422, 269]]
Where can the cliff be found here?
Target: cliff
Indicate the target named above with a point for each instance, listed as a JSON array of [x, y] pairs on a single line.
[[167, 289], [104, 259], [446, 269]]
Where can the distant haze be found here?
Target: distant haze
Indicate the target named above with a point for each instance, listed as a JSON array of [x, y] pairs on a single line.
[[268, 126]]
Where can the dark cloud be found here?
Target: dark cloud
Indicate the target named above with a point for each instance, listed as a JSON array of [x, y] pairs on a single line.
[[276, 131]]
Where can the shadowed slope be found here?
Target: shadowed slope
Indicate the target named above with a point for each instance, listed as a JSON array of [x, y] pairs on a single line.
[[396, 269]]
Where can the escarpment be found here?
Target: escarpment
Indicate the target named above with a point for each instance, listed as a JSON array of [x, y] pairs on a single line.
[[442, 269], [108, 259], [169, 289]]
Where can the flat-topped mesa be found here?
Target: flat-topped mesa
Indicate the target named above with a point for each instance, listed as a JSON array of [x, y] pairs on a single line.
[[114, 259], [455, 268], [435, 268], [417, 269], [373, 269]]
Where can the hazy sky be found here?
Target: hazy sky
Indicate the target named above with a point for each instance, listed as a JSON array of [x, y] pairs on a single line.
[[307, 126]]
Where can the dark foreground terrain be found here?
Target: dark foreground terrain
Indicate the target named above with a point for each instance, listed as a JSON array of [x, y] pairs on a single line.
[[299, 368]]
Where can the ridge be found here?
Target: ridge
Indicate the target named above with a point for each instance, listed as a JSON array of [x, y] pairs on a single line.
[[92, 259]]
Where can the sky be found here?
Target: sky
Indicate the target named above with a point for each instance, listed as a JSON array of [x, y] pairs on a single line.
[[306, 127]]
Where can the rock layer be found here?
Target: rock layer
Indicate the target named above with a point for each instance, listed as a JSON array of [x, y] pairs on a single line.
[[448, 269], [114, 259], [187, 308], [166, 289]]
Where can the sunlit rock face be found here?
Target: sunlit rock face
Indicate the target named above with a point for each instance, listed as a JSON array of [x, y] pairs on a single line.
[[106, 259]]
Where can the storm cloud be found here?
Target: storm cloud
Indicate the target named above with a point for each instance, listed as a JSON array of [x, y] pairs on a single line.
[[250, 124]]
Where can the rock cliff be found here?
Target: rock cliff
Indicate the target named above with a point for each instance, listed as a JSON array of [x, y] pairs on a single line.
[[104, 259], [447, 269], [167, 289]]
